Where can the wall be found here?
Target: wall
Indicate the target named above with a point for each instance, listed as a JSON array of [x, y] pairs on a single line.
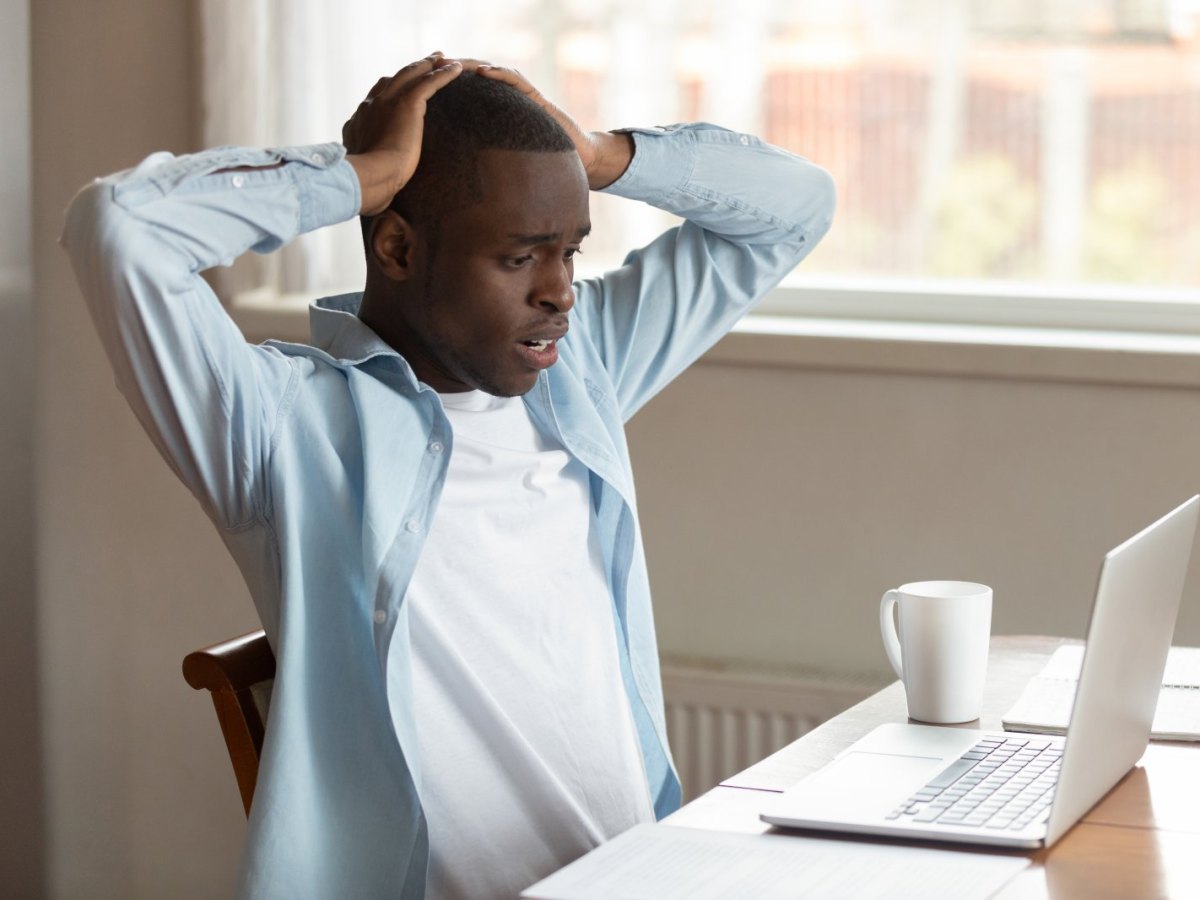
[[21, 821], [820, 489], [778, 504], [139, 801], [14, 139]]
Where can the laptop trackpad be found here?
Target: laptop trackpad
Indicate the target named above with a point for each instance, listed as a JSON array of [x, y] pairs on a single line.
[[861, 784]]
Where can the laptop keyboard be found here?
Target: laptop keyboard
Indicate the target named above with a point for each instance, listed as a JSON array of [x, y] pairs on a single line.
[[1001, 783]]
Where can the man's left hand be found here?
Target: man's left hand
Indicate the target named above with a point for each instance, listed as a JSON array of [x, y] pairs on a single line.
[[605, 156]]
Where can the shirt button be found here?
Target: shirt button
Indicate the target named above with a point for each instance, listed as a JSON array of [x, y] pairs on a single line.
[[380, 617], [436, 447], [238, 181], [412, 526], [318, 158], [744, 139]]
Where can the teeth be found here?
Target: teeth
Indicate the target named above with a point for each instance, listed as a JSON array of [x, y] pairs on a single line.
[[538, 345]]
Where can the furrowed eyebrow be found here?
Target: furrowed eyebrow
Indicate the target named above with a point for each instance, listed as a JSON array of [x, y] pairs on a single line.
[[547, 237]]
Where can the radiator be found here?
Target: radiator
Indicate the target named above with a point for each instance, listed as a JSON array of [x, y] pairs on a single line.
[[721, 721]]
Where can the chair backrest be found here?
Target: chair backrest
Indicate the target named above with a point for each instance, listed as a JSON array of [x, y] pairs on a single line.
[[240, 674]]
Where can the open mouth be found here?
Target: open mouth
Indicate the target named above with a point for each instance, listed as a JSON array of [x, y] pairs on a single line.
[[541, 353]]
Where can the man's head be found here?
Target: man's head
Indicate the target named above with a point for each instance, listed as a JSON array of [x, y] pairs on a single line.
[[468, 115], [469, 269]]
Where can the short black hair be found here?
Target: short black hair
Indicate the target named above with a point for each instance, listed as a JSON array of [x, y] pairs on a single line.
[[470, 114]]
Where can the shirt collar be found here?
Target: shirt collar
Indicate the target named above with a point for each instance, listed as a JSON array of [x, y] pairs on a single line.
[[335, 327]]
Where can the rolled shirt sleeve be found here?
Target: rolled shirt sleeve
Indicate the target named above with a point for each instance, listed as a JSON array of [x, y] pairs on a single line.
[[138, 241], [752, 213]]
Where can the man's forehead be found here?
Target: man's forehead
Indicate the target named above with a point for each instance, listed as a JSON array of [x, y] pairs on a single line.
[[500, 169], [531, 194], [505, 158]]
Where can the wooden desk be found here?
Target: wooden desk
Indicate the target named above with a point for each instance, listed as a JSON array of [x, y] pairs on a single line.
[[1141, 841]]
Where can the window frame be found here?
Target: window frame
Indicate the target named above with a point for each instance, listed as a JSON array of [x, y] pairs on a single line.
[[906, 328]]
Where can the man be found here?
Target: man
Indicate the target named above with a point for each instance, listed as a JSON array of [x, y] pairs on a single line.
[[432, 505]]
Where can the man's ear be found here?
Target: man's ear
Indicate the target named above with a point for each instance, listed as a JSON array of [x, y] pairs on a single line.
[[394, 244]]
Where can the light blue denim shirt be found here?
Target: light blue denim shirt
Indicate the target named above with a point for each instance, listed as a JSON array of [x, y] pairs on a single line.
[[322, 465]]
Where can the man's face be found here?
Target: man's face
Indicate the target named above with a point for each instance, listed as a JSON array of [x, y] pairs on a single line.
[[498, 286]]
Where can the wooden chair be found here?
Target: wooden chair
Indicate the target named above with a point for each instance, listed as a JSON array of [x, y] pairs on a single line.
[[240, 674]]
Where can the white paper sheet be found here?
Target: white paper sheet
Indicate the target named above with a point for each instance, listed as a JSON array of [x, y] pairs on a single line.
[[1045, 704], [662, 862]]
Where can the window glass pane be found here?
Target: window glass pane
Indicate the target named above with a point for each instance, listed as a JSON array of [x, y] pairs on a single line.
[[1034, 140]]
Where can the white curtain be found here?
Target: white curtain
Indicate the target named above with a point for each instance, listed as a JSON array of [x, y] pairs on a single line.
[[277, 72]]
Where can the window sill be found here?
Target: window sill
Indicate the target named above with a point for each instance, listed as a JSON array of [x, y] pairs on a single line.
[[265, 315], [878, 345], [982, 351]]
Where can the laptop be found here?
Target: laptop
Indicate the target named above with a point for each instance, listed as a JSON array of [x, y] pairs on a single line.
[[1020, 790]]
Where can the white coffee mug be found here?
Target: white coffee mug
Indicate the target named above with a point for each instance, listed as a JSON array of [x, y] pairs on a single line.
[[942, 648]]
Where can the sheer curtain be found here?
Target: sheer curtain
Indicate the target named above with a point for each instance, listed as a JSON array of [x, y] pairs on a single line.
[[279, 72], [1032, 145], [290, 71]]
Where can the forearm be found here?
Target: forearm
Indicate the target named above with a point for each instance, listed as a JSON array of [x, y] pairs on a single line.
[[730, 184], [753, 212], [614, 153], [138, 241], [377, 179], [214, 205]]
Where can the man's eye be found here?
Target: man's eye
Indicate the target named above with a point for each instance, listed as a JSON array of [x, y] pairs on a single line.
[[518, 261], [571, 252]]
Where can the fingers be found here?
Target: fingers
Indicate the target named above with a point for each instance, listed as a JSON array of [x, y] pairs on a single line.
[[435, 62], [379, 86], [472, 65], [410, 73], [388, 86], [509, 76], [407, 74], [433, 81], [515, 79], [586, 145], [391, 116]]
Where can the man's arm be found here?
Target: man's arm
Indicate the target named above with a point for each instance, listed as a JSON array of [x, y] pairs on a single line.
[[605, 155], [139, 240], [753, 213], [383, 137]]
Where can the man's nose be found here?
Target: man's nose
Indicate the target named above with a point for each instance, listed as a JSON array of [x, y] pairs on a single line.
[[553, 291]]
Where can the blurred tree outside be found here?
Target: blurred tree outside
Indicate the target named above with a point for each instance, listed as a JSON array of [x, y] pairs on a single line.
[[1051, 141], [983, 222], [1126, 239]]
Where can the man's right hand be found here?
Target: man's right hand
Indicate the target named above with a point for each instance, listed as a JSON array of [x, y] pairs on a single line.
[[605, 155], [383, 137]]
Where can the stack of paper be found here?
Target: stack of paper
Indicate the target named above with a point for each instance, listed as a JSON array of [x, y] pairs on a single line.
[[665, 862], [1045, 705]]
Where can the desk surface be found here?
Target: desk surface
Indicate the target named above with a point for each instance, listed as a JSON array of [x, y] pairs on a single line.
[[1142, 840]]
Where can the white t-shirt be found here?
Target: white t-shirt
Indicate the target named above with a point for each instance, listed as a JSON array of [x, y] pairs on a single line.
[[529, 756]]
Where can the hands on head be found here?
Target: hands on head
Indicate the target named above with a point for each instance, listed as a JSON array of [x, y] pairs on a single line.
[[604, 155], [383, 137]]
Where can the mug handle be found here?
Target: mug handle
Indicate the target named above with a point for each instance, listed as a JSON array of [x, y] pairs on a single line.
[[887, 627]]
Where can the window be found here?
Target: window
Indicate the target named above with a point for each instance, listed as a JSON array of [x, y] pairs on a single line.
[[979, 148]]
